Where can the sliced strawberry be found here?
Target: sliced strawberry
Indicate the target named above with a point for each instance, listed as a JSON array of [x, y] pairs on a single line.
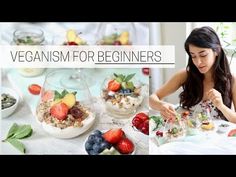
[[59, 111], [232, 133], [72, 43], [113, 85], [47, 95], [34, 89], [113, 136], [142, 116], [125, 146]]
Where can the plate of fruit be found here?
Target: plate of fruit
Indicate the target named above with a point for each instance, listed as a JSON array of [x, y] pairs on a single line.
[[109, 142]]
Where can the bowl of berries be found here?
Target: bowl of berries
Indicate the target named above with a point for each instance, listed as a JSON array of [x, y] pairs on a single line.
[[140, 123], [122, 95], [109, 142]]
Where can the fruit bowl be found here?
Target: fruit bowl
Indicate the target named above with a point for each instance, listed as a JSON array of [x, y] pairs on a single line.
[[64, 111], [140, 123], [122, 95], [223, 128], [109, 142], [9, 101]]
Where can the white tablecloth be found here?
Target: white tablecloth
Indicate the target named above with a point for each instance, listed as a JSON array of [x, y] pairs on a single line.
[[204, 142]]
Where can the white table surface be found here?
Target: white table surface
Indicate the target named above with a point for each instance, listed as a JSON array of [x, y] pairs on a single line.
[[42, 143], [204, 142]]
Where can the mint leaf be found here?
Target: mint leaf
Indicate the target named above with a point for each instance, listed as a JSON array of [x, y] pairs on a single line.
[[121, 76], [57, 95], [63, 93], [158, 120], [22, 132], [17, 144], [74, 93], [18, 132], [129, 77], [115, 75], [12, 130]]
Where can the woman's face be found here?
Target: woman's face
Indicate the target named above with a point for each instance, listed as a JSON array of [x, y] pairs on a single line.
[[203, 58]]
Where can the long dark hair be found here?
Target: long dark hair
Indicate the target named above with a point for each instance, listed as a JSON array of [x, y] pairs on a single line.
[[192, 94]]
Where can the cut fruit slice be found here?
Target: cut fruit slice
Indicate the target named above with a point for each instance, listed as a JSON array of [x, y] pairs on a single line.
[[34, 89], [113, 136], [78, 40], [232, 133], [69, 100], [71, 35]]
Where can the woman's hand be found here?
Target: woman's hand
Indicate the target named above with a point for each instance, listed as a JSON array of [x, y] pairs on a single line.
[[215, 97], [168, 112]]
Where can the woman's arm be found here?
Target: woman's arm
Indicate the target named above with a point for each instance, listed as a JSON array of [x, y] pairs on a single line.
[[169, 87], [216, 98], [229, 113]]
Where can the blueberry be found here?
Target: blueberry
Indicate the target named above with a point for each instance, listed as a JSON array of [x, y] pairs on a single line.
[[105, 145], [98, 139], [97, 133], [88, 146], [97, 148], [121, 91], [91, 138], [92, 152]]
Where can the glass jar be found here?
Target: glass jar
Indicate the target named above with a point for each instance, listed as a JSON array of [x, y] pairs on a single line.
[[65, 111], [29, 36], [122, 95], [116, 34]]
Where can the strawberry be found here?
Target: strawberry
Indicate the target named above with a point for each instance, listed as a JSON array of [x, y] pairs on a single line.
[[136, 121], [72, 43], [34, 89], [232, 133], [47, 95], [142, 116], [117, 43], [159, 133], [113, 85], [59, 111], [145, 71], [185, 114], [125, 146], [113, 136]]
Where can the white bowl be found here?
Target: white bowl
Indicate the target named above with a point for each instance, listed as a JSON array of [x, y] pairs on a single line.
[[8, 111]]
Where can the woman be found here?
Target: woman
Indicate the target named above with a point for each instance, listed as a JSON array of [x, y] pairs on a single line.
[[206, 81]]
